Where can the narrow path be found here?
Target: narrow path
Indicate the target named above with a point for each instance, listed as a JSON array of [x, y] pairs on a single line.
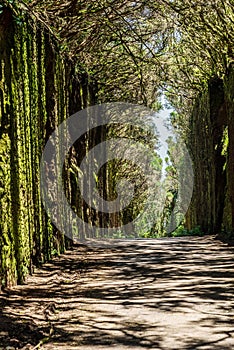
[[168, 294]]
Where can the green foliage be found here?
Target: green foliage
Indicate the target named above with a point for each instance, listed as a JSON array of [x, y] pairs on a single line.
[[32, 75], [134, 48], [132, 51], [54, 253], [182, 231]]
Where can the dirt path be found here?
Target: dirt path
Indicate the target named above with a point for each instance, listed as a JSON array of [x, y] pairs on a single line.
[[160, 294]]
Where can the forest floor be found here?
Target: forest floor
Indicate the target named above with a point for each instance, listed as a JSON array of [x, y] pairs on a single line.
[[163, 294]]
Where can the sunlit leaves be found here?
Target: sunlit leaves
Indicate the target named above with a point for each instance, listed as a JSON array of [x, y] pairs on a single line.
[[135, 48]]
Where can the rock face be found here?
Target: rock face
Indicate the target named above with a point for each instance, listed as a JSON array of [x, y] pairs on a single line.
[[38, 89], [211, 143]]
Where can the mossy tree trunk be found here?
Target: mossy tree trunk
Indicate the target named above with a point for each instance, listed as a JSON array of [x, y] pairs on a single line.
[[38, 90], [211, 143]]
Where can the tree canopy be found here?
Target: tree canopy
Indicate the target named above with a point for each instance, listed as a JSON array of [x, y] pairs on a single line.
[[136, 49]]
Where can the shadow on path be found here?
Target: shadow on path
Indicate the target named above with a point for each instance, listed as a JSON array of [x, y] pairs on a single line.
[[156, 294]]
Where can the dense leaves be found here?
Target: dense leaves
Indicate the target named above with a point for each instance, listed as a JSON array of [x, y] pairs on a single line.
[[135, 49]]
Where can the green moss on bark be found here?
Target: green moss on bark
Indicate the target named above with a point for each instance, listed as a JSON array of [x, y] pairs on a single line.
[[212, 150], [37, 90]]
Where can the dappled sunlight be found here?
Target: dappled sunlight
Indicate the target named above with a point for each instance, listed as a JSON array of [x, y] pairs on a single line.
[[142, 294]]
